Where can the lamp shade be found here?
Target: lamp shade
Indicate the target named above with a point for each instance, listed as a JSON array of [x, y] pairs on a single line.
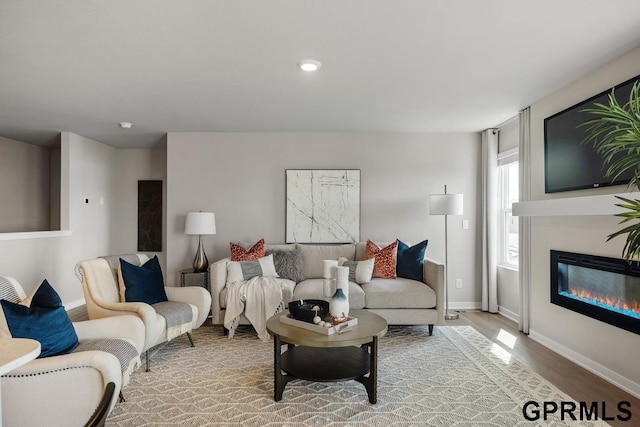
[[445, 204], [200, 223]]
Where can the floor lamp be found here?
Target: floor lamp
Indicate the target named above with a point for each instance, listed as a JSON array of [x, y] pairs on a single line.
[[200, 223], [446, 204]]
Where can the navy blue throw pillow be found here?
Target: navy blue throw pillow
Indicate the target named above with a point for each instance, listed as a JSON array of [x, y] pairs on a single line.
[[45, 321], [144, 283], [410, 260]]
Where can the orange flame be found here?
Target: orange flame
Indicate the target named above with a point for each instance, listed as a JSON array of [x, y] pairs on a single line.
[[617, 303]]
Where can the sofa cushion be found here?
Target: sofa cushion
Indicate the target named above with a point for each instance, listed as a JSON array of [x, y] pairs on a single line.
[[410, 264], [144, 283], [314, 289], [385, 264], [398, 293], [289, 263], [238, 271], [359, 271], [239, 253], [361, 249], [285, 284], [314, 255], [45, 321], [269, 247]]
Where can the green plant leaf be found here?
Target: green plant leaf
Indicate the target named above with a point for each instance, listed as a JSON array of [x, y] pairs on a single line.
[[614, 132]]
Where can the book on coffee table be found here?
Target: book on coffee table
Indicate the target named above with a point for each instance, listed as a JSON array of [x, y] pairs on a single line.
[[350, 322]]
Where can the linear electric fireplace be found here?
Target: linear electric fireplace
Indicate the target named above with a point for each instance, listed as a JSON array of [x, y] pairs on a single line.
[[607, 289]]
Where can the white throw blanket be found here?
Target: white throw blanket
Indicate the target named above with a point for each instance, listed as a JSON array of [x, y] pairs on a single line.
[[259, 298]]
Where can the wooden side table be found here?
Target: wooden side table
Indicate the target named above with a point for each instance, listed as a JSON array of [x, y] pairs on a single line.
[[189, 277]]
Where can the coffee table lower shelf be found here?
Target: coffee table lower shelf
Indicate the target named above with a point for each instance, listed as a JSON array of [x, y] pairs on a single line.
[[326, 364]]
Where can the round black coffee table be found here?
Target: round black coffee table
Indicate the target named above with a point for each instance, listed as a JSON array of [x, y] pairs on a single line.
[[314, 356]]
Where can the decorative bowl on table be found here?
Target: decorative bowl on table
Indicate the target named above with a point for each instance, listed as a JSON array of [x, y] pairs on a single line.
[[303, 309]]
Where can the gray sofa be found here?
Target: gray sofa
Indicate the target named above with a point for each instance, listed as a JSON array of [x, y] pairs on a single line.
[[400, 301]]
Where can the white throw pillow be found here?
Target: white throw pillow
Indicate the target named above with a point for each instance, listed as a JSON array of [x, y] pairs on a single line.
[[238, 271], [359, 271]]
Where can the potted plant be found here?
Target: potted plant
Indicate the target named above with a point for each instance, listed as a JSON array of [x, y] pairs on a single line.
[[615, 133]]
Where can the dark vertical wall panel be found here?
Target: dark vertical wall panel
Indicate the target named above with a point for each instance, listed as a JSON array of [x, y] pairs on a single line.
[[150, 216]]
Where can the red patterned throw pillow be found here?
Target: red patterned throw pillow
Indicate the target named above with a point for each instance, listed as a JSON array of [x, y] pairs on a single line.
[[385, 259], [238, 253]]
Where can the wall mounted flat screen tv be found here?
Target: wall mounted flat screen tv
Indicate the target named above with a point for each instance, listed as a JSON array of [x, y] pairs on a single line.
[[568, 163]]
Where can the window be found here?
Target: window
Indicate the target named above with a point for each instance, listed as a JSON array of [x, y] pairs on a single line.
[[508, 194]]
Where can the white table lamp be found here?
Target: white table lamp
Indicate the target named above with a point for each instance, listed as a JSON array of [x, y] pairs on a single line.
[[446, 204], [200, 223]]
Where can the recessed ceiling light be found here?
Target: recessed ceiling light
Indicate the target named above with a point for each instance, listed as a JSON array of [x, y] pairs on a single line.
[[126, 125], [309, 64]]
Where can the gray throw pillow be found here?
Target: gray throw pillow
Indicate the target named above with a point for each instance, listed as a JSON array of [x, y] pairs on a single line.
[[289, 264]]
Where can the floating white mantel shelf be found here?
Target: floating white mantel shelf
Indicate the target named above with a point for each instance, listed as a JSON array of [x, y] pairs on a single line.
[[604, 204]]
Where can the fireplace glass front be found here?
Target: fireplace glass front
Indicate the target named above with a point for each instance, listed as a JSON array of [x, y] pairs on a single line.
[[607, 289]]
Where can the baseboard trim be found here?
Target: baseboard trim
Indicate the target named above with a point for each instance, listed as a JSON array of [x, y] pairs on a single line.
[[74, 304], [469, 305], [514, 317], [590, 365]]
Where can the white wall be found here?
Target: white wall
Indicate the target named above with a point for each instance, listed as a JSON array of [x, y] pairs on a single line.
[[608, 350], [24, 187], [89, 167], [132, 166], [241, 177], [508, 292]]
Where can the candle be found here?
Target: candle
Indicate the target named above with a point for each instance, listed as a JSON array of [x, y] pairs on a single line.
[[342, 279], [342, 274], [328, 264], [326, 288]]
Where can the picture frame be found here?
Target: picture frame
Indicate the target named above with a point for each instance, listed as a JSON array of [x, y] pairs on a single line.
[[149, 216], [322, 205]]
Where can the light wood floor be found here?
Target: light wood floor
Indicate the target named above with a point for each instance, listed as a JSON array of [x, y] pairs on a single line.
[[572, 379]]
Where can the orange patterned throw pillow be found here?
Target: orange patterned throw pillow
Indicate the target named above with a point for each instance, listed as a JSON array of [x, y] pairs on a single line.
[[385, 259], [238, 253]]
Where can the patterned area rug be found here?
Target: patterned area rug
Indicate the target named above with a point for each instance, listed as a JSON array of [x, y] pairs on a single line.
[[456, 377]]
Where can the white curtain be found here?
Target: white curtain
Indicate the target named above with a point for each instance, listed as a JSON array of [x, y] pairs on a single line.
[[489, 220], [524, 243]]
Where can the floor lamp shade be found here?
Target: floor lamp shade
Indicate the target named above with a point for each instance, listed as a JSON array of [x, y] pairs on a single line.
[[446, 204], [200, 223]]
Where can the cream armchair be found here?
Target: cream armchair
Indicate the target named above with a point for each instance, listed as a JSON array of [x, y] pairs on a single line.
[[64, 390], [99, 279]]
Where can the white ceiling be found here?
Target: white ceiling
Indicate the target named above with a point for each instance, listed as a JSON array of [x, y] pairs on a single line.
[[230, 65]]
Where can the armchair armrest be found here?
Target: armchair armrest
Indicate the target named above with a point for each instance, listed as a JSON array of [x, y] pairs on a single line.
[[217, 282], [66, 389], [105, 363], [194, 295], [144, 311], [127, 327], [433, 273]]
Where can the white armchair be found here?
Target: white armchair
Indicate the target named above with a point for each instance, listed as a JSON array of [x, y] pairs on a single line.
[[64, 390], [101, 291]]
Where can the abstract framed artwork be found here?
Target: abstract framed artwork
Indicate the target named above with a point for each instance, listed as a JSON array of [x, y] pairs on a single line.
[[150, 216], [323, 205]]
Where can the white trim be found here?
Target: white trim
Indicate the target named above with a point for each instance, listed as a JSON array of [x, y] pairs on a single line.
[[509, 156], [74, 304], [507, 123], [590, 365], [35, 234], [514, 317], [586, 205], [465, 305]]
